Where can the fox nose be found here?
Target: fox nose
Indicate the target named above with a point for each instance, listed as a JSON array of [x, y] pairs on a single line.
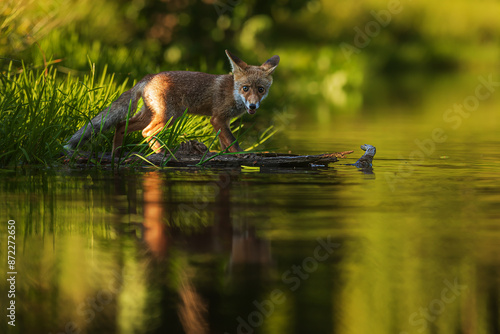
[[252, 106]]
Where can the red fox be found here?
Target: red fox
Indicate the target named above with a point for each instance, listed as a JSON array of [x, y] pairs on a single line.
[[167, 95]]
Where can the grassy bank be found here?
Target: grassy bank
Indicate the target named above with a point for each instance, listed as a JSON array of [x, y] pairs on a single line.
[[41, 108]]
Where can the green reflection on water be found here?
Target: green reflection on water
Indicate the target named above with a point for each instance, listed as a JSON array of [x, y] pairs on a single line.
[[206, 251]]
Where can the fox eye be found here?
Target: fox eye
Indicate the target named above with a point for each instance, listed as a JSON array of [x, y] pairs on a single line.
[[261, 89], [245, 88]]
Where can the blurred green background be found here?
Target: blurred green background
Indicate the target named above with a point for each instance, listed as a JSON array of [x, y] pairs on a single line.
[[133, 38]]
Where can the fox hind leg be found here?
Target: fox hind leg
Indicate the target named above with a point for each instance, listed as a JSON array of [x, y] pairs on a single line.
[[149, 123], [163, 112], [158, 122], [161, 115]]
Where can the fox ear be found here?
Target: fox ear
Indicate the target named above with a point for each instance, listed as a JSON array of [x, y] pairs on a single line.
[[270, 65], [237, 64]]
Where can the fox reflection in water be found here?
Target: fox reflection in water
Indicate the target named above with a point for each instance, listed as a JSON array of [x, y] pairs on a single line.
[[161, 236]]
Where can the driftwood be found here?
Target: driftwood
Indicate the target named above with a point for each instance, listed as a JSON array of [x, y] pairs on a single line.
[[364, 164], [192, 153], [366, 160]]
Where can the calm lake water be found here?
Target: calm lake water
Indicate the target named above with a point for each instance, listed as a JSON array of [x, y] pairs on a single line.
[[413, 247]]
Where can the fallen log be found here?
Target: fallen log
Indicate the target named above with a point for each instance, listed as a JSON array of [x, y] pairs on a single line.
[[194, 154]]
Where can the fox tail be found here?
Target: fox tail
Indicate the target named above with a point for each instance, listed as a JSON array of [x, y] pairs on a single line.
[[110, 116]]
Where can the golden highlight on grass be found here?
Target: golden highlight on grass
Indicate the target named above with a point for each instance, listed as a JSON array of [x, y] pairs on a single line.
[[40, 108]]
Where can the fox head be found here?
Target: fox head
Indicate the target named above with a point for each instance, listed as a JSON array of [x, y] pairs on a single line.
[[252, 83]]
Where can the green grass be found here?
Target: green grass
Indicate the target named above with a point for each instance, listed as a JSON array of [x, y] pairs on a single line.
[[41, 108]]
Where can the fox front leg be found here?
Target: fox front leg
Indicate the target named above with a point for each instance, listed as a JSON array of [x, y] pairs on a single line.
[[226, 137]]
